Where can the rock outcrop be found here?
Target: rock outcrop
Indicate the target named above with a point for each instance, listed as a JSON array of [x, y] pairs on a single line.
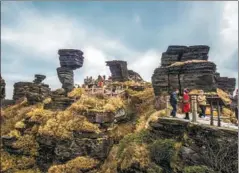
[[70, 59], [3, 90], [213, 147], [225, 83], [32, 91], [187, 67], [39, 78], [118, 69], [184, 53], [134, 76], [59, 101]]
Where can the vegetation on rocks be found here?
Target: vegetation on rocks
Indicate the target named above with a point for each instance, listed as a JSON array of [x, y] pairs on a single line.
[[75, 166]]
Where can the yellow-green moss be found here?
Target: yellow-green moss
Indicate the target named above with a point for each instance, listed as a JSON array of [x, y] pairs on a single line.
[[134, 153], [197, 169], [75, 165], [27, 144], [64, 123], [39, 115], [13, 162], [76, 93]]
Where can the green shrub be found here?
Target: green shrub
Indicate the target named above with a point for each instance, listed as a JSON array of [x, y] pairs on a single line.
[[197, 169]]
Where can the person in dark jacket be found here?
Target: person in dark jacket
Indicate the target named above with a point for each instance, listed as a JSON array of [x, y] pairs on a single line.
[[174, 102]]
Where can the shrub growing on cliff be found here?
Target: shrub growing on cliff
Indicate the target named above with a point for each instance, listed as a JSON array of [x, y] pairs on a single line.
[[75, 165], [197, 169], [163, 152]]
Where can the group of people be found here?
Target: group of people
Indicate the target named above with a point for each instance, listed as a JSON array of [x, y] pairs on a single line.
[[99, 82], [202, 102]]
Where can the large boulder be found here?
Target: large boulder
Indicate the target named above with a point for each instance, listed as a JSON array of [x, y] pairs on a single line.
[[71, 58], [118, 69]]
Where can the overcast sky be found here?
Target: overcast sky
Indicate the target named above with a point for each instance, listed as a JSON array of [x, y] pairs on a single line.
[[137, 32]]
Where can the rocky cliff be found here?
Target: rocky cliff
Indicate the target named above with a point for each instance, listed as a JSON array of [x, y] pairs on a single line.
[[118, 69], [188, 67]]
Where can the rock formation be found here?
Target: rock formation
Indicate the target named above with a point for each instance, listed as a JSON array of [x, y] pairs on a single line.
[[39, 78], [184, 53], [187, 67], [3, 90], [134, 76], [58, 100], [34, 92], [70, 59], [118, 69], [225, 83]]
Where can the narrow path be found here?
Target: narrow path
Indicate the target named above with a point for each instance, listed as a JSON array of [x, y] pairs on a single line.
[[206, 120]]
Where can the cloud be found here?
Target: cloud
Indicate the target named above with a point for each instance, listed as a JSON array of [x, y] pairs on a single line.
[[31, 40]]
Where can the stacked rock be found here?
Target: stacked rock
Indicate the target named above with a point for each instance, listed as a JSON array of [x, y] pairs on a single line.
[[118, 69], [34, 92], [134, 76], [226, 84], [39, 78], [59, 100], [3, 90], [70, 59], [176, 73], [199, 52], [177, 53]]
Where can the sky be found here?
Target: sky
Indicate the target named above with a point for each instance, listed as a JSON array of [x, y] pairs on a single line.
[[137, 32]]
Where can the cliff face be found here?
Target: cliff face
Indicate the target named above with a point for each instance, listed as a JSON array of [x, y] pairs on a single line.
[[187, 67]]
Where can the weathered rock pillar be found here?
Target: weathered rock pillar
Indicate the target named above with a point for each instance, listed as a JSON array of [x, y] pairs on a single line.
[[118, 69], [70, 59], [194, 108]]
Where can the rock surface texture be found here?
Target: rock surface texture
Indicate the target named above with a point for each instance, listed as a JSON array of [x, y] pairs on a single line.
[[32, 91], [134, 76], [187, 67], [70, 59], [201, 144], [225, 83], [59, 101], [3, 90], [118, 69]]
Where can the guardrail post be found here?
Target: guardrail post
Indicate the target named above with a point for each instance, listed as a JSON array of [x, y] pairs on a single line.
[[219, 114], [194, 108], [167, 106]]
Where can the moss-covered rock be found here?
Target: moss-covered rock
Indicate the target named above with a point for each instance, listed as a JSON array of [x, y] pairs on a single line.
[[197, 169]]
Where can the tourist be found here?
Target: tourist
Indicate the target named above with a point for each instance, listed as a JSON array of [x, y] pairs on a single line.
[[174, 102], [202, 103], [186, 104]]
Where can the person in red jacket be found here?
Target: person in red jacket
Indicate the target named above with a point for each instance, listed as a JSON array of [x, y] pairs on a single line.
[[186, 104]]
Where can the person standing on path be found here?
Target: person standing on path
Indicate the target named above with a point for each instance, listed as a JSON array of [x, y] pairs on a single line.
[[174, 102], [186, 104], [202, 103]]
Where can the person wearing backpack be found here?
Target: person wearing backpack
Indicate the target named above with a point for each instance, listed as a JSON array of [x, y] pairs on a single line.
[[174, 102]]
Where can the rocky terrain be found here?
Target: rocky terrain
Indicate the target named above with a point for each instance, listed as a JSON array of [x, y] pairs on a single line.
[[77, 130]]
